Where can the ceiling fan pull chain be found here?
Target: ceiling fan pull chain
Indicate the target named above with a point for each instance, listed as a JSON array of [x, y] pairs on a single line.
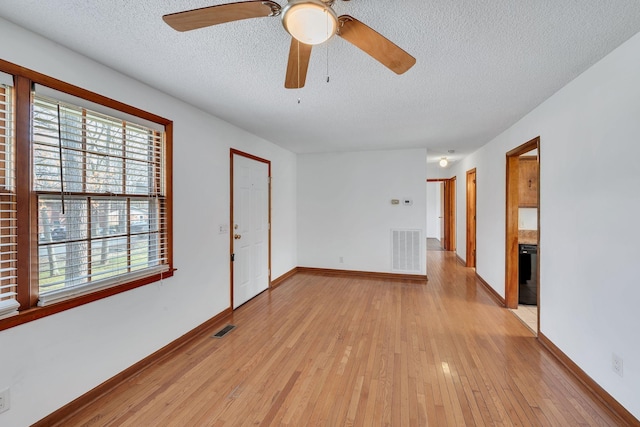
[[298, 44], [327, 46], [328, 63]]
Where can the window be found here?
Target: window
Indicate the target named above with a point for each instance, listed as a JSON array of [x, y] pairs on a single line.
[[87, 213], [100, 196]]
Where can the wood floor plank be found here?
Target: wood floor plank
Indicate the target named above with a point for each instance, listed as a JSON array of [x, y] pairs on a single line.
[[328, 351]]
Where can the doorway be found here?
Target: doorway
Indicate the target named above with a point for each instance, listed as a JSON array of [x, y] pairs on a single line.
[[445, 195], [522, 237], [471, 218], [250, 236]]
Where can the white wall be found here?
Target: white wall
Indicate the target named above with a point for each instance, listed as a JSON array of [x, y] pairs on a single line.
[[435, 171], [589, 204], [527, 218], [433, 210], [49, 362], [345, 210]]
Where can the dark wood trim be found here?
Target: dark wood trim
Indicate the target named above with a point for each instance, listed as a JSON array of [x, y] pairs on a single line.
[[232, 152], [511, 233], [539, 251], [168, 132], [626, 417], [471, 217], [27, 283], [69, 409], [363, 274], [530, 145], [231, 218], [251, 156], [73, 90], [36, 313], [280, 280], [491, 291], [450, 212]]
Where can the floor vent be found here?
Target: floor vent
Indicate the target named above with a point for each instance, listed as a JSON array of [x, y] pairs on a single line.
[[224, 331], [405, 251]]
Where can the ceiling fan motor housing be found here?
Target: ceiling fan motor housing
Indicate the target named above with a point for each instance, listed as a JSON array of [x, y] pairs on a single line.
[[309, 21]]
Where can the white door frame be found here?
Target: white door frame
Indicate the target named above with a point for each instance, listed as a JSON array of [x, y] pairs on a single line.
[[233, 152]]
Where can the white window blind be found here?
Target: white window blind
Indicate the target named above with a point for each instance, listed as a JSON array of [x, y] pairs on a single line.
[[100, 184], [8, 227], [63, 97]]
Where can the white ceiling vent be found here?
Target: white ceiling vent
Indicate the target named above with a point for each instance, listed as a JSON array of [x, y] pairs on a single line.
[[405, 251]]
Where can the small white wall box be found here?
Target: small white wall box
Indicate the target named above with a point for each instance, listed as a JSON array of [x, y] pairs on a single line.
[[407, 201]]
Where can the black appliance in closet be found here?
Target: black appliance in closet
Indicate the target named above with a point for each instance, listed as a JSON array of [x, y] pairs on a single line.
[[528, 274]]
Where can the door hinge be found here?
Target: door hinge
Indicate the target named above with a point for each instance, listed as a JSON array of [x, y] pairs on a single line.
[[233, 257]]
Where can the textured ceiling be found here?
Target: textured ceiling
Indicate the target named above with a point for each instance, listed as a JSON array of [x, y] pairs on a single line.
[[481, 65]]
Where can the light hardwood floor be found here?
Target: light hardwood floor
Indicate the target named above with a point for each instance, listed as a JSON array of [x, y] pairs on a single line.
[[333, 351]]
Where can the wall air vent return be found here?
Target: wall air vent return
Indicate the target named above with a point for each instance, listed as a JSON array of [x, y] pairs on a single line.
[[405, 251]]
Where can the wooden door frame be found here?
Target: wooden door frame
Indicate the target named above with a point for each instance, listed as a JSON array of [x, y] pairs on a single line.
[[471, 248], [449, 241], [450, 213], [233, 151], [511, 219]]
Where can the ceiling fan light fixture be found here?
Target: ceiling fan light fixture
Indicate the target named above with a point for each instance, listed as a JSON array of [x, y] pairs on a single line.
[[309, 21]]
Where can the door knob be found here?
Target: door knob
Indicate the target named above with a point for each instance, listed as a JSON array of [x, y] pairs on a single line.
[[237, 236]]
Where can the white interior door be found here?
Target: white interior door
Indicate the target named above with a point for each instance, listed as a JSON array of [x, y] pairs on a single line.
[[250, 228]]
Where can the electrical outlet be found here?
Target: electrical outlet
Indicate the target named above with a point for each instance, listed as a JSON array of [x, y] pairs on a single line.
[[341, 259], [616, 364], [4, 400]]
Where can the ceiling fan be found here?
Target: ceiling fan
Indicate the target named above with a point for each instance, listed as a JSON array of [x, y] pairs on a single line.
[[309, 22]]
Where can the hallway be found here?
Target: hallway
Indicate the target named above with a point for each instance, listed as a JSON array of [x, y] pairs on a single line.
[[327, 350]]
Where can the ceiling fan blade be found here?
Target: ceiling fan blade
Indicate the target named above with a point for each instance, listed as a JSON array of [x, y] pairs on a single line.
[[375, 44], [213, 15], [299, 54]]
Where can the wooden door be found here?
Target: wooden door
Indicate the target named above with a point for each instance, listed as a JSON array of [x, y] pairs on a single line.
[[450, 214], [471, 218], [250, 227], [528, 181]]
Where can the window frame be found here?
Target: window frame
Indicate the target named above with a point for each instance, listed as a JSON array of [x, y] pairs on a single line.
[[28, 287]]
